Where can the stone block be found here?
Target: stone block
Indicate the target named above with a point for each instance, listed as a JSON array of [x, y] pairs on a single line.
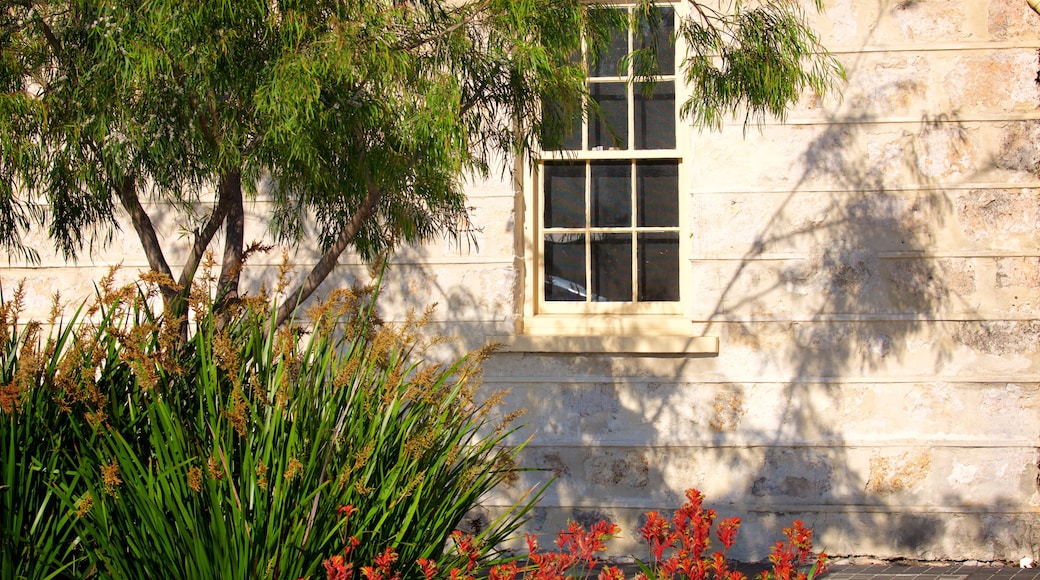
[[996, 81]]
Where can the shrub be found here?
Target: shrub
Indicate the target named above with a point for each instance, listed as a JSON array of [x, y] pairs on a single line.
[[228, 451], [36, 539], [680, 548]]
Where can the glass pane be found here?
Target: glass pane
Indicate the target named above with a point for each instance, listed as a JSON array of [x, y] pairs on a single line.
[[657, 193], [612, 268], [658, 267], [565, 268], [559, 133], [564, 195], [612, 194], [658, 32], [605, 62], [655, 116], [609, 129]]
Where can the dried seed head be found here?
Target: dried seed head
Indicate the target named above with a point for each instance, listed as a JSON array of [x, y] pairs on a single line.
[[84, 504], [56, 308], [237, 412], [213, 468], [261, 476], [10, 397], [361, 488], [195, 478], [110, 477], [284, 271], [293, 469]]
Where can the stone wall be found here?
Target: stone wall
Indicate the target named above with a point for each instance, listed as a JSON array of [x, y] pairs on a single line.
[[871, 270]]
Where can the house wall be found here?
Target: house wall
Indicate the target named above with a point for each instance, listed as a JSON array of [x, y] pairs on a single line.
[[871, 269]]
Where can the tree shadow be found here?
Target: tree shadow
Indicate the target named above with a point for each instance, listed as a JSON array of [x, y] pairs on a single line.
[[844, 325]]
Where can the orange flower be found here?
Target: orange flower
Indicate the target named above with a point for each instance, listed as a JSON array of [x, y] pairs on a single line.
[[337, 569]]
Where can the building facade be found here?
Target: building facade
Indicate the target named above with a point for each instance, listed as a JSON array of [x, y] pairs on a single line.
[[851, 338]]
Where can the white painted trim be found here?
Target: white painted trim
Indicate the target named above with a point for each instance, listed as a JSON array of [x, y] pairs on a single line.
[[610, 345]]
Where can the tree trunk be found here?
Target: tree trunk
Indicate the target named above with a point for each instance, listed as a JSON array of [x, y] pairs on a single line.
[[329, 259], [149, 240], [234, 234]]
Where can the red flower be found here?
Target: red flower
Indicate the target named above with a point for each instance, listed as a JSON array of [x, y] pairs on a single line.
[[385, 560], [611, 573], [655, 532], [429, 567], [507, 571], [727, 532], [337, 569], [583, 545], [466, 547]]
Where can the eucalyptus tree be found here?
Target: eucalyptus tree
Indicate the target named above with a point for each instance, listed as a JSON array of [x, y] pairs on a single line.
[[363, 115]]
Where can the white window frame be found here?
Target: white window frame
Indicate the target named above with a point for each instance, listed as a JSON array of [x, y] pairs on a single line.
[[665, 320]]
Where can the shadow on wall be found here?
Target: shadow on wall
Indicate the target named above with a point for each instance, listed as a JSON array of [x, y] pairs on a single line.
[[811, 412]]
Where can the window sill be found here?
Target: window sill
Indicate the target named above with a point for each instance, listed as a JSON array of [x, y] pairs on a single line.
[[690, 346]]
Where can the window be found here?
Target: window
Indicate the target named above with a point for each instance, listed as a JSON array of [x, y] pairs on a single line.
[[605, 210]]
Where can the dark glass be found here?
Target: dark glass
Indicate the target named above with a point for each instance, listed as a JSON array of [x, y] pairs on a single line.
[[657, 193], [612, 267], [655, 116], [658, 32], [565, 268], [609, 129], [560, 130], [572, 134], [564, 185], [658, 267], [607, 62], [611, 194]]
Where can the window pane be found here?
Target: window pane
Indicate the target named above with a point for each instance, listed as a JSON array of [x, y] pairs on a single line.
[[657, 193], [565, 268], [658, 267], [609, 129], [605, 63], [557, 133], [655, 116], [658, 32], [564, 195], [612, 267], [612, 194]]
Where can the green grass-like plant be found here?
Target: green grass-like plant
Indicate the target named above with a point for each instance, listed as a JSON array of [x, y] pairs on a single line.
[[36, 540], [229, 447]]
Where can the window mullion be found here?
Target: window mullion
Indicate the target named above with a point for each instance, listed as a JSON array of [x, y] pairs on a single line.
[[633, 231], [630, 86], [588, 231]]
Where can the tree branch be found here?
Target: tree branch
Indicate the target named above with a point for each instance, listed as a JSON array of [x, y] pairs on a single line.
[[146, 233], [331, 256], [45, 28], [202, 239]]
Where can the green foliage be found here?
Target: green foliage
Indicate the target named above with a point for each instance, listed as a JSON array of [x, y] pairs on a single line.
[[361, 116], [36, 539], [231, 455], [756, 60]]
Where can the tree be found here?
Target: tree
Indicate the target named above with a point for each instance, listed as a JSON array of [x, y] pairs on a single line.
[[363, 115]]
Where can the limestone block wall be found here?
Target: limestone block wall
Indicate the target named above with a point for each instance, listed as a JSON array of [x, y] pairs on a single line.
[[871, 269]]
